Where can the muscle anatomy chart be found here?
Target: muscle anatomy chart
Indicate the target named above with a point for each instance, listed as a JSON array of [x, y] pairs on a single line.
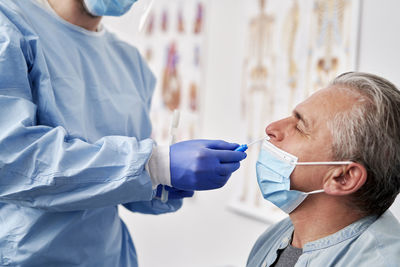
[[174, 44]]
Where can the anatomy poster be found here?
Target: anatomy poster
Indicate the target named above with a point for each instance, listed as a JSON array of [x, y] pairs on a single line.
[[173, 42], [172, 39], [293, 48]]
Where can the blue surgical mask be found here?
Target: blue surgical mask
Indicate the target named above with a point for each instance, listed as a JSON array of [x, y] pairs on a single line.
[[108, 7], [274, 167]]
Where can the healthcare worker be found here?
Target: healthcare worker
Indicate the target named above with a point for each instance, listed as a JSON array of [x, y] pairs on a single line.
[[74, 138]]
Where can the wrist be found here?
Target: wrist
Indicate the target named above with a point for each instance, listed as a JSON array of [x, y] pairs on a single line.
[[158, 166]]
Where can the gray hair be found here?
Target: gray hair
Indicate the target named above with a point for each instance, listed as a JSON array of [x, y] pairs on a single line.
[[369, 133]]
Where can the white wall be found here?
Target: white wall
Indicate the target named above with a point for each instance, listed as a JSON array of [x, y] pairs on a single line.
[[380, 44], [380, 41], [204, 233]]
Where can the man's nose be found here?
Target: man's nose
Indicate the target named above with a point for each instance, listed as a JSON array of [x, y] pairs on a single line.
[[275, 130]]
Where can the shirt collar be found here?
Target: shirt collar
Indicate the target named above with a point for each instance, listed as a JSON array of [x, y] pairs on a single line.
[[349, 231], [353, 230]]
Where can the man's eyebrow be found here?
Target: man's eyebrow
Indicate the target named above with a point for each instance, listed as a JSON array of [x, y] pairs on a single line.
[[301, 118]]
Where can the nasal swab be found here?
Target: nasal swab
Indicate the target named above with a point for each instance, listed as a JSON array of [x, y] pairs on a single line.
[[244, 147]]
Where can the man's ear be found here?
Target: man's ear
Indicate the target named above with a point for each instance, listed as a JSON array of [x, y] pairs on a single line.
[[345, 180]]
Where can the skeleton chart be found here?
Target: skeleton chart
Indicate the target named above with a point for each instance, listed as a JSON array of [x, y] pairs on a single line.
[[293, 48]]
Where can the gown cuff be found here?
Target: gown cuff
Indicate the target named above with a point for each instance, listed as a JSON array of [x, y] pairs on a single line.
[[158, 166]]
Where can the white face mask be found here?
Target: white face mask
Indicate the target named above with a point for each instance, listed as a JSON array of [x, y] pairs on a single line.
[[274, 167]]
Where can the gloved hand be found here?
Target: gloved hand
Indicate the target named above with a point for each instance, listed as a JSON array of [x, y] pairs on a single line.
[[203, 164], [174, 193]]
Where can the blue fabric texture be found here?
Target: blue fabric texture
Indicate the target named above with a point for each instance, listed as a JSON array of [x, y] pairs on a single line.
[[370, 241], [74, 141], [273, 177]]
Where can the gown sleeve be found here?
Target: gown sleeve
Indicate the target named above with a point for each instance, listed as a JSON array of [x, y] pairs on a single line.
[[43, 167]]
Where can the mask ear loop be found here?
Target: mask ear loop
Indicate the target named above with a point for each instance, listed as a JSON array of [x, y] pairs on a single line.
[[315, 192], [323, 163]]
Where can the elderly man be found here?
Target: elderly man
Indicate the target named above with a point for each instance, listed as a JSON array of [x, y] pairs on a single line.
[[334, 166]]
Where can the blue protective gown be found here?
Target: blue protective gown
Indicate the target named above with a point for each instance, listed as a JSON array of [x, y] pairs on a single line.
[[74, 141]]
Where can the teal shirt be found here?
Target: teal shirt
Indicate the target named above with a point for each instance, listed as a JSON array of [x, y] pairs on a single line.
[[368, 242], [74, 141]]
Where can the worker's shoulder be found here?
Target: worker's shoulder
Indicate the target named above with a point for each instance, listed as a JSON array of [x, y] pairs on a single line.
[[9, 11], [382, 238], [8, 5], [13, 18], [121, 40], [124, 46]]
